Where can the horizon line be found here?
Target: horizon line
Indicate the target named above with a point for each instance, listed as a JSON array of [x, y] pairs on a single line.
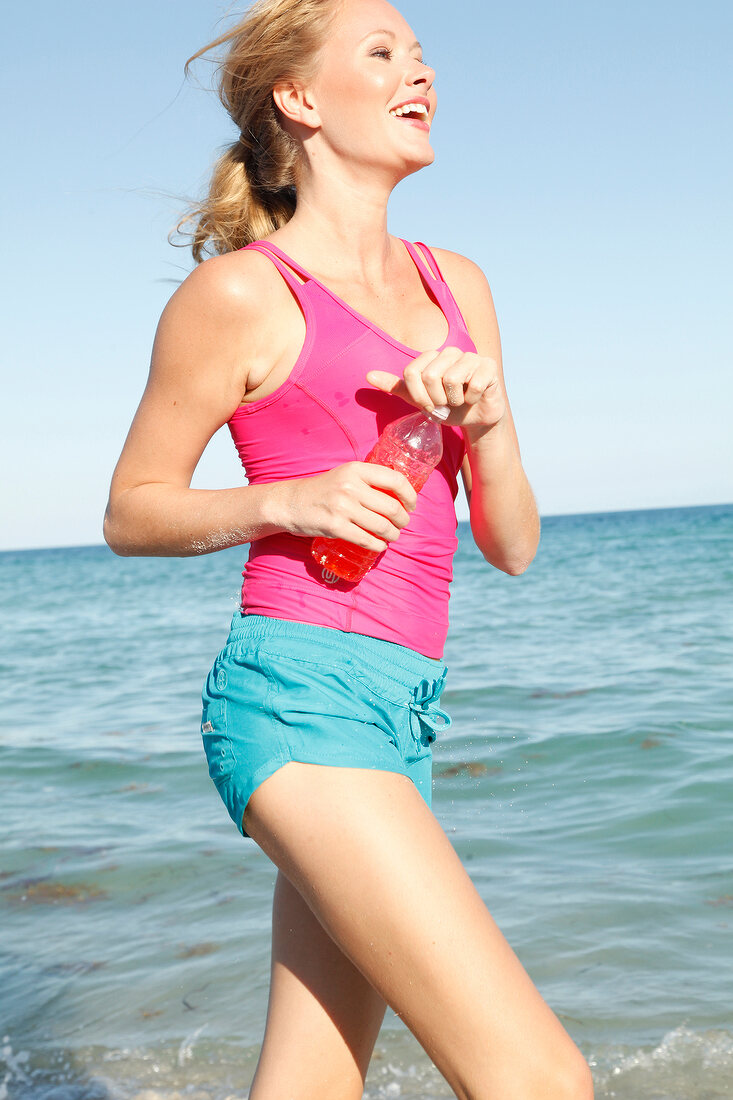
[[543, 516]]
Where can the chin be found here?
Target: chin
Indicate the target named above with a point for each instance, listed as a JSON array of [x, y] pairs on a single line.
[[415, 159], [415, 164]]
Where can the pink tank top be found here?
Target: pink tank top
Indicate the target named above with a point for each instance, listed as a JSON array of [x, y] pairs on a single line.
[[323, 415]]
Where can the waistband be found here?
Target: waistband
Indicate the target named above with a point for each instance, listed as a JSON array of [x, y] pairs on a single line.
[[395, 662]]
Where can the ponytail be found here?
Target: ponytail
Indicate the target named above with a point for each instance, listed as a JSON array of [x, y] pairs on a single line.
[[252, 191]]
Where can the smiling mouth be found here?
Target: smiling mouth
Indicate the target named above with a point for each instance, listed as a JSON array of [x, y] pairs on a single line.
[[415, 112]]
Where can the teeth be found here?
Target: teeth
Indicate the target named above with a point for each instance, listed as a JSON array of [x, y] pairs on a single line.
[[410, 108]]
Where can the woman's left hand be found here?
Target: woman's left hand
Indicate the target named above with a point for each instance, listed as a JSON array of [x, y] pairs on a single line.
[[469, 384]]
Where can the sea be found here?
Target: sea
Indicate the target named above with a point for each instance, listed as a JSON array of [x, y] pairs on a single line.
[[586, 782]]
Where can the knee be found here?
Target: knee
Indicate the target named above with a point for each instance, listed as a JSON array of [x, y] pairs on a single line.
[[572, 1079], [566, 1076]]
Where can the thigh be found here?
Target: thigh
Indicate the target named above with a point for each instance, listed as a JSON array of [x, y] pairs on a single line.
[[374, 865], [323, 1017]]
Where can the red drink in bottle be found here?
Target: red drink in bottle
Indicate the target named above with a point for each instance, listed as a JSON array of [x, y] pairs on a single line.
[[414, 446]]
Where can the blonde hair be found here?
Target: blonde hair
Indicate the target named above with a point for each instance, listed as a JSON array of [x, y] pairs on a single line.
[[253, 184]]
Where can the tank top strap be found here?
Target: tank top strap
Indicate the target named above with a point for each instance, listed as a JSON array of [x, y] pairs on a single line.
[[284, 264], [425, 261]]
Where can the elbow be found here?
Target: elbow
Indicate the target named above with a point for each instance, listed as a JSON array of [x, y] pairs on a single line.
[[114, 537], [516, 568], [110, 537], [513, 567], [517, 562], [512, 560], [512, 556]]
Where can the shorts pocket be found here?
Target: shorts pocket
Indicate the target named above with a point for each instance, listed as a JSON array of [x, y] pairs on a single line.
[[217, 744]]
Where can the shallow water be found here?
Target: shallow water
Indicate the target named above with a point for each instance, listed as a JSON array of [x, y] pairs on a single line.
[[585, 782]]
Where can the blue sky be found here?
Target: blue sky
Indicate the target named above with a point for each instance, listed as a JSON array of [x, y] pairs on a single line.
[[583, 160]]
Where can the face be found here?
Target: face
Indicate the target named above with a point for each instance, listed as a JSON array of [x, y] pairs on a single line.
[[373, 94]]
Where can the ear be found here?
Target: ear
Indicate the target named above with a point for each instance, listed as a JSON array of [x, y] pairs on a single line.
[[294, 102]]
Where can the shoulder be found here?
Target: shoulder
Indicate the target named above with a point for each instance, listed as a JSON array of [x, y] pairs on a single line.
[[464, 277], [470, 288], [239, 284], [232, 312]]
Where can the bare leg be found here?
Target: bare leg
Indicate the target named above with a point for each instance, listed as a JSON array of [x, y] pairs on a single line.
[[375, 867], [323, 1017]]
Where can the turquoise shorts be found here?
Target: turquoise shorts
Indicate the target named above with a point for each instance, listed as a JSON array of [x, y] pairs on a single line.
[[282, 691]]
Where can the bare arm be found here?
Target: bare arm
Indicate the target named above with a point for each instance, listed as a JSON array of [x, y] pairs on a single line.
[[504, 518], [503, 513], [224, 319]]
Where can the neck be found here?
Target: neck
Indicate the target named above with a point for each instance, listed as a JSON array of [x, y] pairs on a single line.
[[340, 225]]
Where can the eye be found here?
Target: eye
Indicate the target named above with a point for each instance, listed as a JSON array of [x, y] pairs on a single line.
[[382, 51]]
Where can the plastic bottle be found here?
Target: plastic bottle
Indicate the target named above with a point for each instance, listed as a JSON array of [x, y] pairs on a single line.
[[414, 446]]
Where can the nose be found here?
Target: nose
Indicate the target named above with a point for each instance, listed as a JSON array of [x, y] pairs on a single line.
[[422, 76]]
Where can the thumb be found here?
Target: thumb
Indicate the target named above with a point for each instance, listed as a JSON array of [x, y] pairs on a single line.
[[383, 380]]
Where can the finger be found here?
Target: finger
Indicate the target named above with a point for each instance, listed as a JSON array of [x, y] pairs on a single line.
[[414, 376], [359, 536], [454, 393], [390, 383], [375, 524], [411, 386], [481, 382], [434, 371], [391, 481], [467, 378], [457, 377], [387, 505], [386, 382], [369, 517]]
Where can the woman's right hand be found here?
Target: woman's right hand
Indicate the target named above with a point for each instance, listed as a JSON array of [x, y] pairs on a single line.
[[210, 331], [361, 502]]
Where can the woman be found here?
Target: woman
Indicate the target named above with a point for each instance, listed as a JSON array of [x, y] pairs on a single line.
[[320, 711]]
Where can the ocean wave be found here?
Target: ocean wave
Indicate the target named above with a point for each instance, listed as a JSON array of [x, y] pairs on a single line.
[[683, 1065]]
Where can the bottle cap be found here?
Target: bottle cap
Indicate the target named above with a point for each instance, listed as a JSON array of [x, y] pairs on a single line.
[[440, 412]]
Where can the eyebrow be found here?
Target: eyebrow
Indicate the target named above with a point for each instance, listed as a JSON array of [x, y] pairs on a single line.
[[383, 30]]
